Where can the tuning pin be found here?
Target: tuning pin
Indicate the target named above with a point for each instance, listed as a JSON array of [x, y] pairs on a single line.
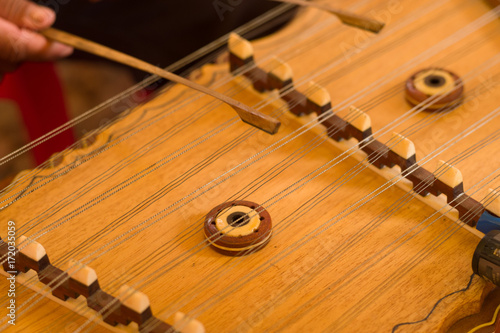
[[402, 146], [281, 71], [494, 205], [133, 299], [448, 174], [185, 324], [361, 120], [239, 46], [31, 249]]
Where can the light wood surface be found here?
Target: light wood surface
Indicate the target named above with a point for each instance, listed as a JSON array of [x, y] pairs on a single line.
[[402, 281]]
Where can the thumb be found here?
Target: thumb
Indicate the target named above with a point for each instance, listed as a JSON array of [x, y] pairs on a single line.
[[27, 14]]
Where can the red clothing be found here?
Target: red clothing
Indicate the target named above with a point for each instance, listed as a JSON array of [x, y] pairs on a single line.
[[36, 89]]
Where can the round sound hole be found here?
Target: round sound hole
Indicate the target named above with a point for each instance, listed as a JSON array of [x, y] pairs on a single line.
[[434, 81], [238, 219], [238, 228]]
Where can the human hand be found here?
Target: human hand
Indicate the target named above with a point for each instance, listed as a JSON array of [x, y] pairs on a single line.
[[19, 41]]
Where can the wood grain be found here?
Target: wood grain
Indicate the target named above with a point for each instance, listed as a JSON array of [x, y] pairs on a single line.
[[401, 280]]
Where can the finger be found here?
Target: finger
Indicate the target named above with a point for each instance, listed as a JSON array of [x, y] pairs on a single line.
[[27, 14], [18, 45]]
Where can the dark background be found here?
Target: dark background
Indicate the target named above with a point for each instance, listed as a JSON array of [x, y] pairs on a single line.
[[157, 31]]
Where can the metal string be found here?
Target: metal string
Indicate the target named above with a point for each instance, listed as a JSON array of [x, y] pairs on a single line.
[[483, 122], [455, 228]]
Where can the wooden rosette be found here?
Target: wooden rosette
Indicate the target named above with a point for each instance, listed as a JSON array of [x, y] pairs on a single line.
[[434, 89], [238, 228]]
